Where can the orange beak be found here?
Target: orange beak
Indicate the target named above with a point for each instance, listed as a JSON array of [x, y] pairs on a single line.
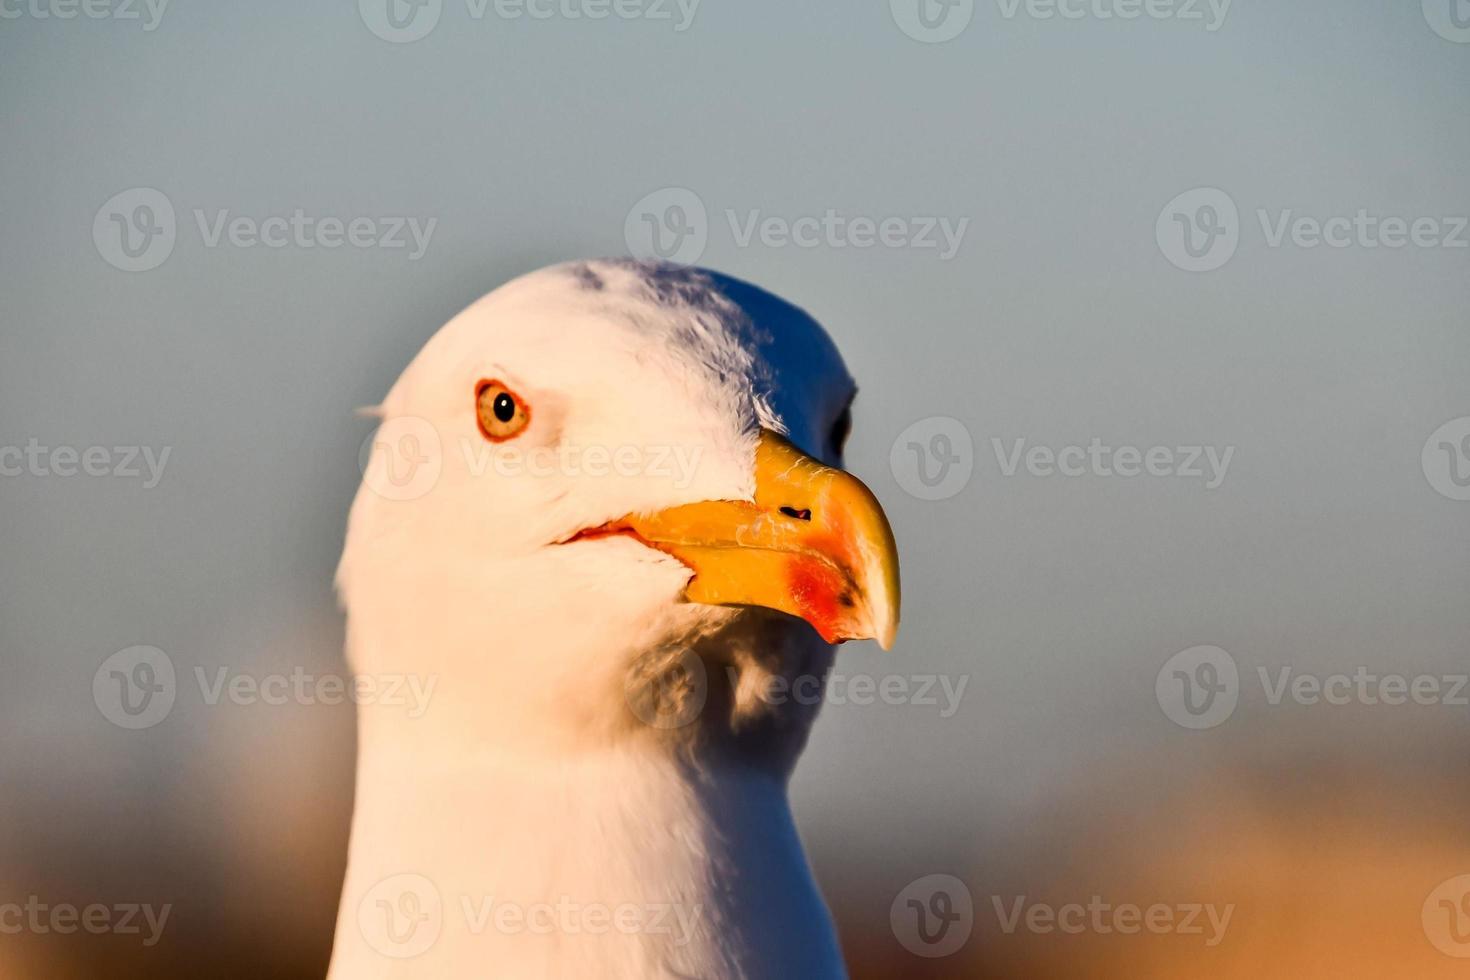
[[814, 543]]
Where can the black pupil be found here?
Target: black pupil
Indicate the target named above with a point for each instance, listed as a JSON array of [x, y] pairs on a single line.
[[504, 407]]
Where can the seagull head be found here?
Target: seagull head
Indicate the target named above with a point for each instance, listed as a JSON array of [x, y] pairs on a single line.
[[603, 468]]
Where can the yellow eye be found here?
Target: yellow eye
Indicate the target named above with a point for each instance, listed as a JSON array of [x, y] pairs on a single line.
[[501, 413]]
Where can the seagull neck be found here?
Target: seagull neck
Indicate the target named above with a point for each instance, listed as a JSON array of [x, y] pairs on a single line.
[[708, 862]]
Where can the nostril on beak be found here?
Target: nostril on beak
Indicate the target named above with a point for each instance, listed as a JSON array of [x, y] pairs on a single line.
[[804, 514]]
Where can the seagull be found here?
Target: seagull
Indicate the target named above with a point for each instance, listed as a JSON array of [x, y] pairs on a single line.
[[626, 541]]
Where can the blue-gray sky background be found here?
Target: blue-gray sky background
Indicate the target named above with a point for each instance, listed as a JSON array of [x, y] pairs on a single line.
[[1060, 319]]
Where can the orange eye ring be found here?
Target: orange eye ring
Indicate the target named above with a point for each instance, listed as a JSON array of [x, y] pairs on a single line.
[[499, 412]]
